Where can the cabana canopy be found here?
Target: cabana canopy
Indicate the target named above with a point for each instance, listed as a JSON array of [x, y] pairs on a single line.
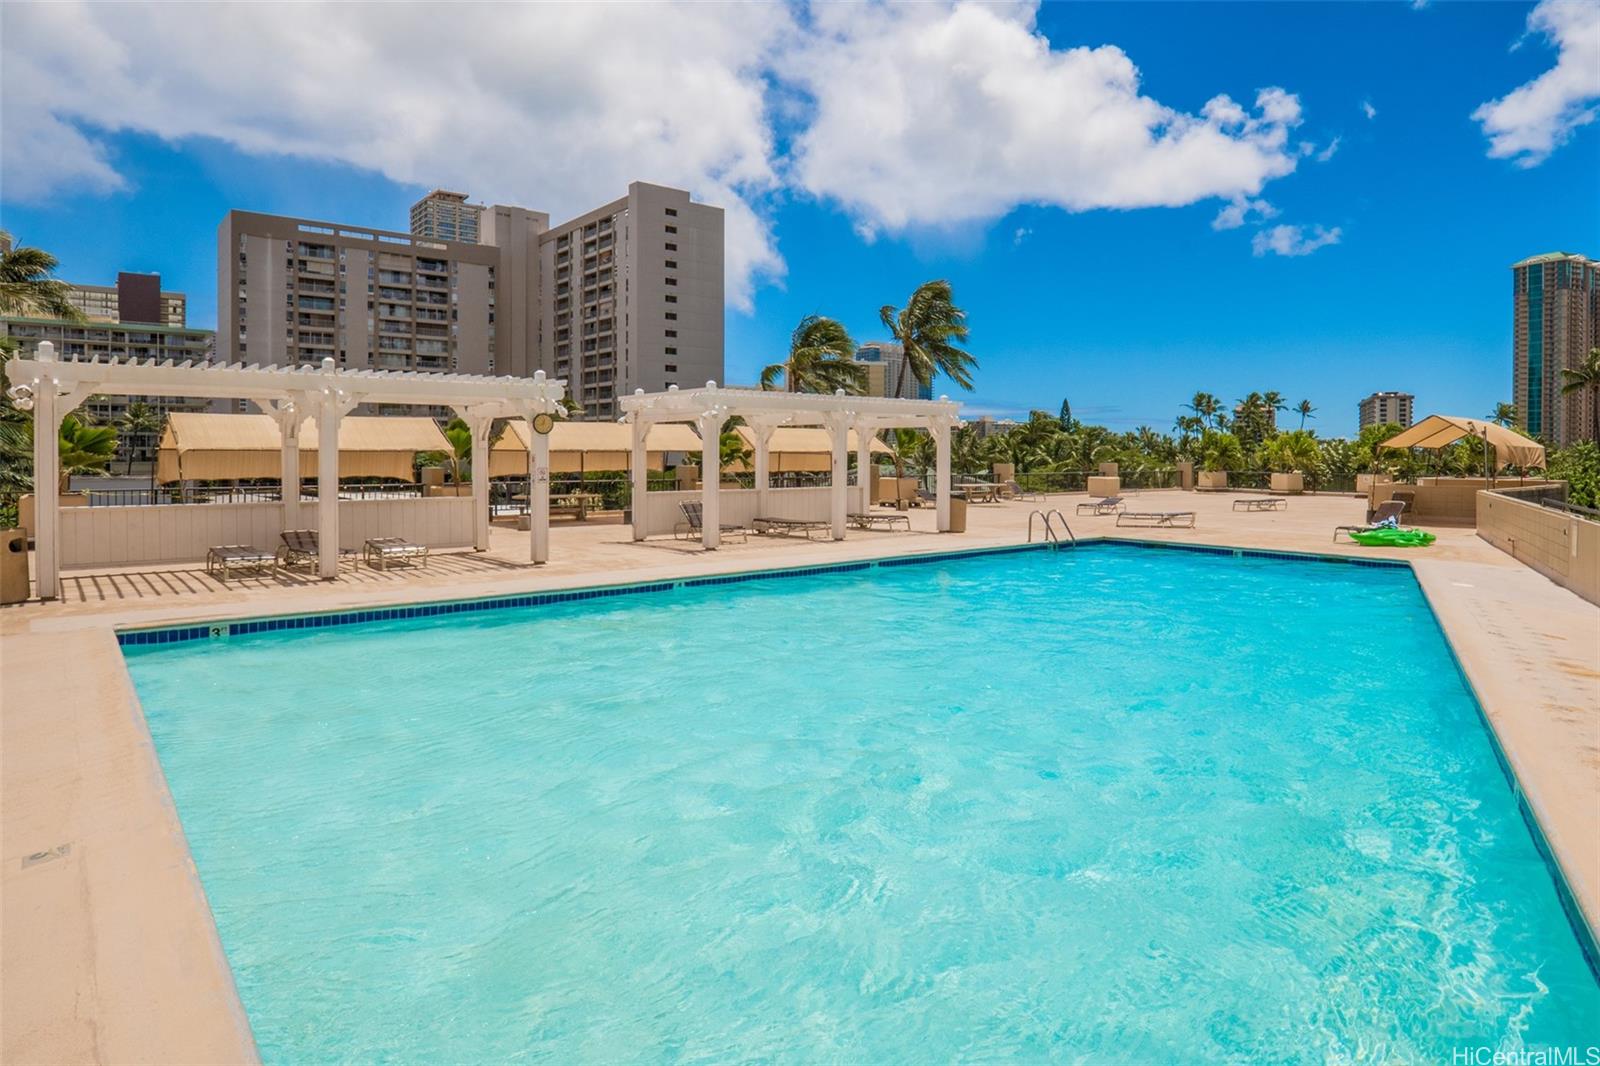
[[1438, 431], [576, 447], [216, 447], [806, 449]]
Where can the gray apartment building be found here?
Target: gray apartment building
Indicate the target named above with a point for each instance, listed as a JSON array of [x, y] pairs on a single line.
[[1555, 309], [1382, 408], [133, 319], [629, 295], [446, 216]]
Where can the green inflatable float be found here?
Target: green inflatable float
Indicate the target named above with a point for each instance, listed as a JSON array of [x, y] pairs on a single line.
[[1386, 537]]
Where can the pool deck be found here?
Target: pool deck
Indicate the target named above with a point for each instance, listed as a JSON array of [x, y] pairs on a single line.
[[109, 951]]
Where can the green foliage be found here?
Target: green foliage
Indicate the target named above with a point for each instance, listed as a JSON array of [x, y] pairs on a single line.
[[735, 453], [1579, 466], [1585, 377], [1220, 451], [1288, 452], [27, 287], [138, 420], [821, 359], [85, 449]]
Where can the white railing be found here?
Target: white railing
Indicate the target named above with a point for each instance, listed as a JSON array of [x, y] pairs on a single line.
[[121, 536]]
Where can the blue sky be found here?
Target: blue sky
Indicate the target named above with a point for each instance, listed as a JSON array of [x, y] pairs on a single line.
[[1090, 266]]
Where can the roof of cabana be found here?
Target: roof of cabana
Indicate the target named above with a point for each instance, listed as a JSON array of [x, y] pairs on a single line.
[[787, 408], [580, 446], [1438, 431], [218, 447], [806, 449]]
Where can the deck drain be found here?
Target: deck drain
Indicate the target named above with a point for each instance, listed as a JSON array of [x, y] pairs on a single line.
[[61, 851]]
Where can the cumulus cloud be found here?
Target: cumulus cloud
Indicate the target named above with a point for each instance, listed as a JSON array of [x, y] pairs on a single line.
[[1327, 153], [1022, 233], [1008, 120], [677, 98], [1293, 240], [1240, 211], [1535, 119], [558, 107], [1368, 110]]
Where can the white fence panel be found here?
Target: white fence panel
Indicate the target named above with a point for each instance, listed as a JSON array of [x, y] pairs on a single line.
[[177, 533], [662, 514]]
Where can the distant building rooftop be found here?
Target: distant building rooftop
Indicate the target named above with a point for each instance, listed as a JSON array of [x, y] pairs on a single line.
[[1548, 257]]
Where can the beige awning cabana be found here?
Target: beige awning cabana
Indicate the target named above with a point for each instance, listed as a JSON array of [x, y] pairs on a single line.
[[218, 447], [1438, 431], [806, 449], [578, 447]]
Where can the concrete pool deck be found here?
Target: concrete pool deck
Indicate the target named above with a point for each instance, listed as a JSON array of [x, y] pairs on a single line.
[[109, 951]]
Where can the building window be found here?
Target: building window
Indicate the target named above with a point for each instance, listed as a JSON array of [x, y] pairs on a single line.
[[672, 229], [671, 351], [672, 264], [672, 316], [671, 368], [671, 247], [673, 212], [672, 333], [672, 281], [671, 299]]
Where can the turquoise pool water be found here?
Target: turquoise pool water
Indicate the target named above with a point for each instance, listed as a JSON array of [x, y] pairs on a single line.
[[1113, 804]]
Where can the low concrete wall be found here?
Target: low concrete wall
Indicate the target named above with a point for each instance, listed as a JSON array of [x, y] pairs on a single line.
[[1563, 547], [178, 533], [661, 513], [1442, 501]]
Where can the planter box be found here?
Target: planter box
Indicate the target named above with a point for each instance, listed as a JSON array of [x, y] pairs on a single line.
[[1101, 486], [1211, 480], [1364, 482], [1290, 484]]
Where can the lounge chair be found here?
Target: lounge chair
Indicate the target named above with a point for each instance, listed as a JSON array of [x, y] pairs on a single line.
[[302, 546], [879, 521], [227, 557], [786, 526], [1156, 518], [1014, 491], [1261, 503], [1379, 515], [1105, 505], [693, 524], [381, 552]]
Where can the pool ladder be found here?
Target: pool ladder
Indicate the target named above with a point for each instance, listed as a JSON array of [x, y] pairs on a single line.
[[1050, 534]]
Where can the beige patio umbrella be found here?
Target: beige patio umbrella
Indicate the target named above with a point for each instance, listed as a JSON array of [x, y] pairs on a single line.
[[1438, 431], [219, 447]]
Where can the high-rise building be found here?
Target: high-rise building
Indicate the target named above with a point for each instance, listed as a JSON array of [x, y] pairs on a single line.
[[1555, 308], [884, 360], [446, 216], [133, 319], [1382, 408], [629, 295]]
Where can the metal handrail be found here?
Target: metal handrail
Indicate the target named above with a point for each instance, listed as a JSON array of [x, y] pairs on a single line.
[[1057, 513], [1049, 533]]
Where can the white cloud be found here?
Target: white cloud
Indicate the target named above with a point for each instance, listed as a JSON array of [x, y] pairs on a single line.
[[1368, 110], [1293, 240], [971, 112], [1327, 153], [556, 107], [1241, 211], [1022, 234], [1535, 119]]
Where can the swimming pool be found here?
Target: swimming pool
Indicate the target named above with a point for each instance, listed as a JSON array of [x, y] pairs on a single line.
[[1112, 802]]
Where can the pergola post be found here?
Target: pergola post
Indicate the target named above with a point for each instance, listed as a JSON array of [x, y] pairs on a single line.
[[639, 469], [710, 426], [941, 489], [479, 424], [328, 489], [289, 471], [539, 496], [838, 485], [47, 482], [762, 432], [863, 457]]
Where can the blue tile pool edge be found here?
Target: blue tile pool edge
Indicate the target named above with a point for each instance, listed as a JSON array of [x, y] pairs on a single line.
[[1588, 941]]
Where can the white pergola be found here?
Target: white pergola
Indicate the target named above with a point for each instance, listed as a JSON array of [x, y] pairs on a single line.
[[710, 408], [52, 388]]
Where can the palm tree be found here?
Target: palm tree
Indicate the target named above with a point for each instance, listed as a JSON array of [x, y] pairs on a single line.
[[1304, 409], [928, 329], [458, 459], [85, 449], [26, 287], [905, 444], [1205, 406], [821, 359], [1504, 414], [1274, 403], [137, 423], [1586, 378]]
